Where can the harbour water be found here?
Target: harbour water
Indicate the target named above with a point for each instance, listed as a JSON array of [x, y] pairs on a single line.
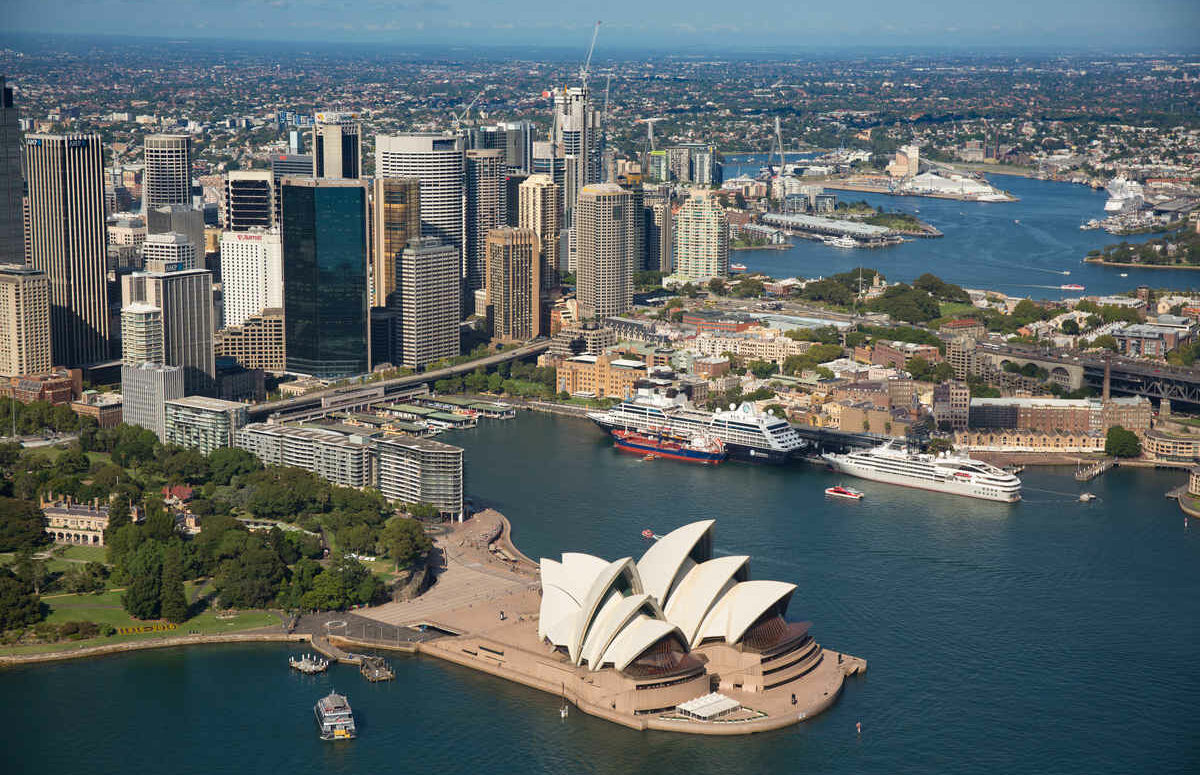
[[984, 245], [1044, 637]]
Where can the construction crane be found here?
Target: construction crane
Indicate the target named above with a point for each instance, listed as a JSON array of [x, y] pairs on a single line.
[[586, 68], [649, 122], [779, 139], [457, 119]]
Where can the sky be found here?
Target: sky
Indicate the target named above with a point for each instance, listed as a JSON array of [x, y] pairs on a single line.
[[1120, 25]]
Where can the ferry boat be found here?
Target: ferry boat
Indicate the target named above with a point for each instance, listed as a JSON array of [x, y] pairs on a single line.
[[1071, 287], [707, 450], [838, 491], [335, 718], [949, 473], [841, 242], [737, 267], [747, 434]]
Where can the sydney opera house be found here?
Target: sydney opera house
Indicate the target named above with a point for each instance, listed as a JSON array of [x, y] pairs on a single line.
[[682, 636]]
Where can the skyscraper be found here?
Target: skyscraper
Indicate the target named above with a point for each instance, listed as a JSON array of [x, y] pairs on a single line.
[[185, 299], [141, 334], [251, 273], [167, 179], [701, 239], [145, 390], [67, 241], [608, 231], [439, 161], [576, 135], [397, 216], [249, 200], [24, 321], [514, 286], [182, 219], [337, 146], [428, 284], [284, 166], [485, 211], [548, 161], [659, 235], [169, 252], [325, 276], [541, 211], [12, 239]]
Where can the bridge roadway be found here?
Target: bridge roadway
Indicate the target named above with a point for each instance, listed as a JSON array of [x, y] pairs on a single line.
[[1151, 379], [316, 399]]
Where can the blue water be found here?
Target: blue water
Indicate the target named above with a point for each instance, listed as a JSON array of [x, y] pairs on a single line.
[[983, 246], [1045, 637]]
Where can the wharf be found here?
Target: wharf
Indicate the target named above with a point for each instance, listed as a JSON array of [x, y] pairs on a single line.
[[1094, 470]]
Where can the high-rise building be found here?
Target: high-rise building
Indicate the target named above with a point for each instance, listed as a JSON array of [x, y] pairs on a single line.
[[286, 165], [608, 231], [701, 239], [518, 145], [182, 219], [337, 146], [12, 238], [202, 423], [185, 299], [514, 286], [548, 161], [258, 343], [430, 301], [325, 306], [251, 273], [541, 210], [397, 214], [576, 135], [415, 470], [249, 200], [167, 179], [485, 211], [512, 197], [141, 334], [145, 390], [439, 161], [660, 239], [67, 241], [24, 321], [169, 252]]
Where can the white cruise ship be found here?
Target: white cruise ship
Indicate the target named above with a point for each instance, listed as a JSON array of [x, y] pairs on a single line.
[[947, 472], [747, 433]]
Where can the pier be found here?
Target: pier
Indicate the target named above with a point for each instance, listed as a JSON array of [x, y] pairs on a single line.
[[1094, 470]]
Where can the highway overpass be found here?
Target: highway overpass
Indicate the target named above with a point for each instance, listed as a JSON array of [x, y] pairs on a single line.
[[355, 396]]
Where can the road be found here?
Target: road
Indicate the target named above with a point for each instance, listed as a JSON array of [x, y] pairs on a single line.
[[307, 400]]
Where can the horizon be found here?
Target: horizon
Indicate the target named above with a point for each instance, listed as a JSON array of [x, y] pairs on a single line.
[[1054, 26]]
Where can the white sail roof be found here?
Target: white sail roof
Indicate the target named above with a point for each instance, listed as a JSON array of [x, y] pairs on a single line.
[[663, 562], [699, 591]]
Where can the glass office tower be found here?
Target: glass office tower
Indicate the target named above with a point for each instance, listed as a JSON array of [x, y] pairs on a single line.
[[325, 276]]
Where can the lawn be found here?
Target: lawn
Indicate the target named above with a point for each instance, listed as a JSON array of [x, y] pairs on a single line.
[[105, 608], [85, 553], [953, 310]]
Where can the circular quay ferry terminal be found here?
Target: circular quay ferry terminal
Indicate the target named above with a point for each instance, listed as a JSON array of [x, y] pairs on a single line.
[[677, 640]]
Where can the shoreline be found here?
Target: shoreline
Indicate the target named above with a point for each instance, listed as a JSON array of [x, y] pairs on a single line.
[[151, 643], [1125, 265]]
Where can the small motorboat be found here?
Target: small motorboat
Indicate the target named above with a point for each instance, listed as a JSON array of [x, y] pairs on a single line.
[[841, 491], [1124, 274], [1087, 497]]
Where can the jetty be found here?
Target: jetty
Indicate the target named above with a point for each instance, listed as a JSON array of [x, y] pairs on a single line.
[[1094, 470], [309, 664]]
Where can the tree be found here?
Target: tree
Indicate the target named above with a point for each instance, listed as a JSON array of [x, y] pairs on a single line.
[[1070, 328], [405, 541], [34, 572], [1122, 443], [762, 369], [251, 578], [918, 367], [73, 460], [19, 604], [174, 601], [716, 286], [1107, 341], [1027, 312], [20, 525], [143, 595]]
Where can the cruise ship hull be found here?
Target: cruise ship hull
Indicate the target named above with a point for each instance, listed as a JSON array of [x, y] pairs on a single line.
[[734, 450], [966, 489]]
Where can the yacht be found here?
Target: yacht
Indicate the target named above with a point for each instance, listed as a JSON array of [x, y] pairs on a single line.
[[894, 463], [841, 242], [747, 433]]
